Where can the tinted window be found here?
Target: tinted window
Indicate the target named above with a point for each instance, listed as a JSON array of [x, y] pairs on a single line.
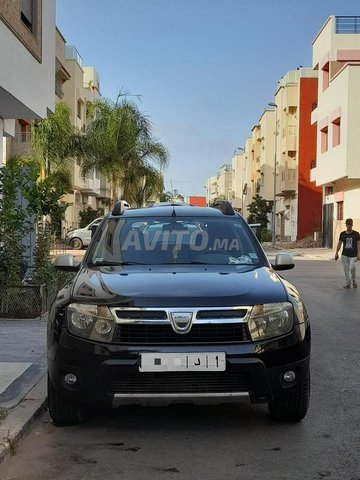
[[181, 240]]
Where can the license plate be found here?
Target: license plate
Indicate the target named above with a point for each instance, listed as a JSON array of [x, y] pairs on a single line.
[[181, 362]]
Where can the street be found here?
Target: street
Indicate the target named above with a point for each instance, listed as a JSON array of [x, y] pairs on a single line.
[[226, 441]]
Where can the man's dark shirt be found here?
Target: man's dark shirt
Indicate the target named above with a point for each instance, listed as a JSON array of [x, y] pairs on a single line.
[[349, 241]]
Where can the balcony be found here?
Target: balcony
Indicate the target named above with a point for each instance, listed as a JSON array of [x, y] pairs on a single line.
[[72, 54], [313, 171], [314, 114], [21, 144], [288, 182], [88, 186]]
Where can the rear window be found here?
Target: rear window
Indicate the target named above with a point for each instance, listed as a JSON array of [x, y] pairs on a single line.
[[180, 240]]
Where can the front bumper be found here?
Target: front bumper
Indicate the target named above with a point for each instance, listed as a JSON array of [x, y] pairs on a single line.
[[109, 374]]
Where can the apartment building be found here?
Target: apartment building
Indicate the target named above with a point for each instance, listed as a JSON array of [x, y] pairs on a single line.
[[219, 187], [26, 68], [336, 116], [277, 159], [297, 200], [267, 155], [237, 181], [83, 85]]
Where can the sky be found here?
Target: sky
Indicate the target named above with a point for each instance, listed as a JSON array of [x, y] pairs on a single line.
[[205, 70]]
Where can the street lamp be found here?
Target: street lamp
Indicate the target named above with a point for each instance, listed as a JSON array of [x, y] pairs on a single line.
[[273, 232]]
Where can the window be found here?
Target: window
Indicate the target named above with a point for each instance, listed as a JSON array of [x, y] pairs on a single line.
[[340, 210], [325, 76], [336, 132], [28, 14], [324, 139], [329, 190], [23, 133], [79, 109]]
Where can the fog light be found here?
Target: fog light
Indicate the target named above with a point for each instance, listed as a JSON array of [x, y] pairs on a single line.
[[70, 379], [289, 376]]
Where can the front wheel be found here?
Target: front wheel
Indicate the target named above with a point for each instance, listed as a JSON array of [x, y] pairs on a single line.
[[292, 407], [64, 411]]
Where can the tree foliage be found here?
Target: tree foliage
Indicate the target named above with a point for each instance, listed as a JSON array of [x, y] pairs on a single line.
[[14, 222], [259, 210], [20, 180], [88, 215], [53, 140], [118, 142]]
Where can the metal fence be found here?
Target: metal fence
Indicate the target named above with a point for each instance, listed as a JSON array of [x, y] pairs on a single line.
[[30, 301]]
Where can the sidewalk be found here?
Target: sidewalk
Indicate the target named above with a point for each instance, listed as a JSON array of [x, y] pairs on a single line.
[[300, 253], [22, 378], [23, 362]]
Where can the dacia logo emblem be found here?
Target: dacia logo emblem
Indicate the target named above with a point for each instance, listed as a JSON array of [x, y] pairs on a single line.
[[181, 322]]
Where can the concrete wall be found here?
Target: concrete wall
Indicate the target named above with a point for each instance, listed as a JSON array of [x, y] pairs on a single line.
[[27, 85]]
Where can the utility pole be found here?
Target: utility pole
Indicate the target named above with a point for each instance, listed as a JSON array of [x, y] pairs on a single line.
[[273, 226]]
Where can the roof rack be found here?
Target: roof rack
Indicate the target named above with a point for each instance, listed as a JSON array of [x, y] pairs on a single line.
[[224, 206], [120, 207], [170, 204]]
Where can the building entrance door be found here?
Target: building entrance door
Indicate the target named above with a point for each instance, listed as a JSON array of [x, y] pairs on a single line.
[[328, 220]]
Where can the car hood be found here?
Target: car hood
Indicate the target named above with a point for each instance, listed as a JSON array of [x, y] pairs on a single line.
[[170, 286], [76, 231]]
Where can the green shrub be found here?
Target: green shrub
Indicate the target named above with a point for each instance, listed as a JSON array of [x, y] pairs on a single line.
[[266, 235], [88, 215]]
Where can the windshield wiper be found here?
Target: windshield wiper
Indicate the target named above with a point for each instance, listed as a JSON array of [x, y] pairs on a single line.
[[115, 264]]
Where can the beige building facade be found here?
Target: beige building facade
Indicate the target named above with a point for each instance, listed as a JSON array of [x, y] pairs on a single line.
[[219, 187], [26, 66], [82, 86], [336, 57]]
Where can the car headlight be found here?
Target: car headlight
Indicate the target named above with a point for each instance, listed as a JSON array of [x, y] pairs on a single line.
[[93, 322], [270, 320]]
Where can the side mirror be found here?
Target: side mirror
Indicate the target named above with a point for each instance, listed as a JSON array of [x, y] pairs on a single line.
[[283, 261], [66, 262], [93, 229]]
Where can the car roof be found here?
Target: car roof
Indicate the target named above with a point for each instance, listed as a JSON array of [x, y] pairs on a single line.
[[168, 211]]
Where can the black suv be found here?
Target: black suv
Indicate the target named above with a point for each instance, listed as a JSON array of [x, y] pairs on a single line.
[[176, 303]]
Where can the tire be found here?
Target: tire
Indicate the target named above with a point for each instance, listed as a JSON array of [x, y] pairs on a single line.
[[76, 243], [292, 407], [64, 411]]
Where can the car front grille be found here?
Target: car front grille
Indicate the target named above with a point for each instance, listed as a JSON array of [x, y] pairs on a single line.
[[181, 382], [164, 334], [144, 326]]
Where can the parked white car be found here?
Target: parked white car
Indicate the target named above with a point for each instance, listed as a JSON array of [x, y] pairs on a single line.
[[81, 237]]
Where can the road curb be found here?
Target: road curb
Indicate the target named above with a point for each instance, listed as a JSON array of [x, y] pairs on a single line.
[[21, 417]]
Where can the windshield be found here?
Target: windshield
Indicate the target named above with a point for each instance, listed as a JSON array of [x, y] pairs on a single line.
[[179, 240]]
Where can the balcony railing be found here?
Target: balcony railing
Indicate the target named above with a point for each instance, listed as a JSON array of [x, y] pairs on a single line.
[[72, 54], [347, 25]]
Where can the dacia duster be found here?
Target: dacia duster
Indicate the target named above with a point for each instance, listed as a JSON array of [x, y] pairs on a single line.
[[176, 303]]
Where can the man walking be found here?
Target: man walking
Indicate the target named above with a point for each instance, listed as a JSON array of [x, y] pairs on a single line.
[[350, 240]]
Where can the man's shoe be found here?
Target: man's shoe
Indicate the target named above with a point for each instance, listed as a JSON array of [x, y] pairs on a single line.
[[354, 284]]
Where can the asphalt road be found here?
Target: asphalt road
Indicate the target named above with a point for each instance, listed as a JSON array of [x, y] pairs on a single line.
[[229, 441]]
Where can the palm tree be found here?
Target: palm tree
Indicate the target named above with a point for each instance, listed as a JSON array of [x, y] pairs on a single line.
[[53, 140], [119, 144], [148, 184]]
